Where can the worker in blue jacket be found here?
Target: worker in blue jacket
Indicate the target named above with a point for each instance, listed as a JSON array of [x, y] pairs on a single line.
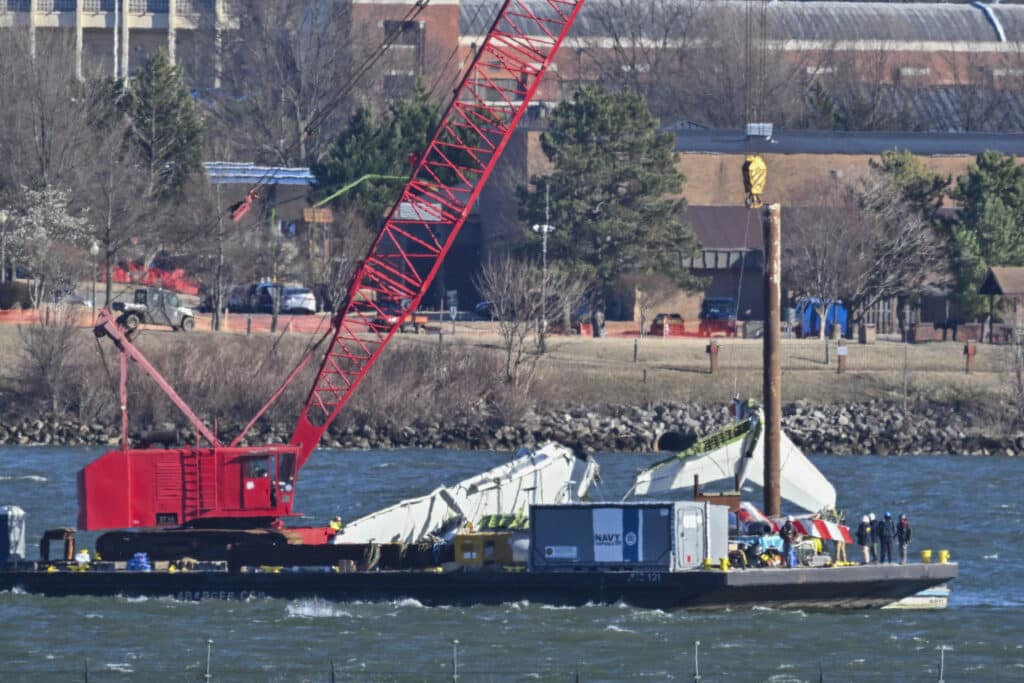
[[886, 535]]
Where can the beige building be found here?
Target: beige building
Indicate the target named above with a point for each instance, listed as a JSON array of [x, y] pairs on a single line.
[[116, 37]]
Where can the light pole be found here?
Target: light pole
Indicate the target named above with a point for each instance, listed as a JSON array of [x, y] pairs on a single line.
[[3, 247], [94, 250], [544, 228]]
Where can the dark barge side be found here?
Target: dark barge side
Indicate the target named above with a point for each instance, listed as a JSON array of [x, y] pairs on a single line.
[[866, 586]]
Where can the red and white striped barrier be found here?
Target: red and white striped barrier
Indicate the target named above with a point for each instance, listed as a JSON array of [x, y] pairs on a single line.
[[819, 528]]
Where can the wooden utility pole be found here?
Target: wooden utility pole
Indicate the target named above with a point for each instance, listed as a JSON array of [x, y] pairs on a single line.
[[772, 364]]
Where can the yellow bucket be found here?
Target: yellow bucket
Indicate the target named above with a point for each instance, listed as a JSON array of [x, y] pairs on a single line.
[[926, 556], [724, 564], [943, 556], [706, 563]]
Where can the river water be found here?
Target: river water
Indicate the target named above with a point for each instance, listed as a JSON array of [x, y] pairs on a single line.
[[972, 506]]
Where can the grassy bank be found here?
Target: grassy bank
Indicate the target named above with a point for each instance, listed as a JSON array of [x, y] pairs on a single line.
[[227, 376]]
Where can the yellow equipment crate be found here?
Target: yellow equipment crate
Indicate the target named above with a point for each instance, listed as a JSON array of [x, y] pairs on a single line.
[[481, 548]]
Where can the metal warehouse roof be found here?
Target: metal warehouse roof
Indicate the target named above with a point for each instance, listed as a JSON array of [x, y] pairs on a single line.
[[787, 21], [235, 173], [869, 142]]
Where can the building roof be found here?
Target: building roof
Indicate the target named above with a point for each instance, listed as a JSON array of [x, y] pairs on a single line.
[[235, 173], [815, 22], [728, 141], [1003, 281], [726, 227]]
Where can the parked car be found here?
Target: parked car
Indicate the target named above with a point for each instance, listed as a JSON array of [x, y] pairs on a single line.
[[74, 299], [667, 323], [391, 312], [717, 316], [297, 300], [484, 310]]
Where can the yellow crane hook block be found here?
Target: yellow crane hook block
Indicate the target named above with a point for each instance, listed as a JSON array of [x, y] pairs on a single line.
[[755, 174]]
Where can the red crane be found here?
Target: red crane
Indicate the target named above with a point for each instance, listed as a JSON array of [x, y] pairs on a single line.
[[202, 496]]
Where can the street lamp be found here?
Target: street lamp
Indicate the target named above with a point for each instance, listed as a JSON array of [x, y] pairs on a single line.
[[94, 250], [544, 228]]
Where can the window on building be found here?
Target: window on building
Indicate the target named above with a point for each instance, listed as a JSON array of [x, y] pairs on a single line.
[[399, 84], [914, 71], [404, 33]]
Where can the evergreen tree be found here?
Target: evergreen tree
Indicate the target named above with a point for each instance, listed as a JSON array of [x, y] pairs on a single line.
[[990, 227], [614, 192], [923, 189], [382, 145], [164, 125]]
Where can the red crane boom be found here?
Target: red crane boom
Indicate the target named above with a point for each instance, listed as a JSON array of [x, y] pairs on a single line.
[[436, 201], [235, 487]]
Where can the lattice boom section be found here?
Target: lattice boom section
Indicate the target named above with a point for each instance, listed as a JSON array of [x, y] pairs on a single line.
[[436, 200]]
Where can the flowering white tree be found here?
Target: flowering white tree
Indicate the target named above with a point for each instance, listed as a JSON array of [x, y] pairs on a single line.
[[43, 228]]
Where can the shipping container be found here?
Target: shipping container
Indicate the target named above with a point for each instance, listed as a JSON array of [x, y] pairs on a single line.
[[650, 536]]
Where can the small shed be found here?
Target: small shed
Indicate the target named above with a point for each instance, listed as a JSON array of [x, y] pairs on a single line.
[[1007, 282]]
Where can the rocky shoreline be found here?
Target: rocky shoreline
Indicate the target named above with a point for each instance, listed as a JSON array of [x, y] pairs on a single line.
[[855, 428]]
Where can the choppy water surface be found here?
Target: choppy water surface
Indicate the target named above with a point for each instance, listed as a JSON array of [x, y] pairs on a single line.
[[973, 506]]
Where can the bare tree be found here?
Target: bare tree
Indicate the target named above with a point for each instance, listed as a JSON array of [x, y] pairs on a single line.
[[41, 131], [290, 61], [114, 188], [863, 243], [649, 43], [650, 290], [514, 289], [905, 248], [335, 249], [48, 350]]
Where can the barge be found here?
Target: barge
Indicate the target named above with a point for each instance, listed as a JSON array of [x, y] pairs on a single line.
[[857, 587]]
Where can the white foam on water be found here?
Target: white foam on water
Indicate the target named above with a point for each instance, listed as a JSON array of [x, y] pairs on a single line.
[[408, 602], [859, 660], [993, 556], [24, 477], [383, 465], [93, 615], [618, 629], [557, 607], [119, 667], [314, 609], [133, 598]]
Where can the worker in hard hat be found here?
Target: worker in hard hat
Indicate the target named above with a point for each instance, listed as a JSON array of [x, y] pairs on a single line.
[[336, 524]]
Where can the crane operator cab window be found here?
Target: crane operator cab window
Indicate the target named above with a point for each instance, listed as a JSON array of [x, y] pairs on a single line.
[[258, 488]]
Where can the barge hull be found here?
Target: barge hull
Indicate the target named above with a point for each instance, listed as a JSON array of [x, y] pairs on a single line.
[[869, 586]]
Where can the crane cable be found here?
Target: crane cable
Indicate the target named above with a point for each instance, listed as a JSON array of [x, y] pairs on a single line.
[[358, 73], [363, 68], [749, 113]]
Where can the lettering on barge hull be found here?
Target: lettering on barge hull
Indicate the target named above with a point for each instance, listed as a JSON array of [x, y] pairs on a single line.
[[198, 596]]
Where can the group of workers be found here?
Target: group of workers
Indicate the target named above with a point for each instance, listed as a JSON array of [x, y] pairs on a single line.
[[876, 538]]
